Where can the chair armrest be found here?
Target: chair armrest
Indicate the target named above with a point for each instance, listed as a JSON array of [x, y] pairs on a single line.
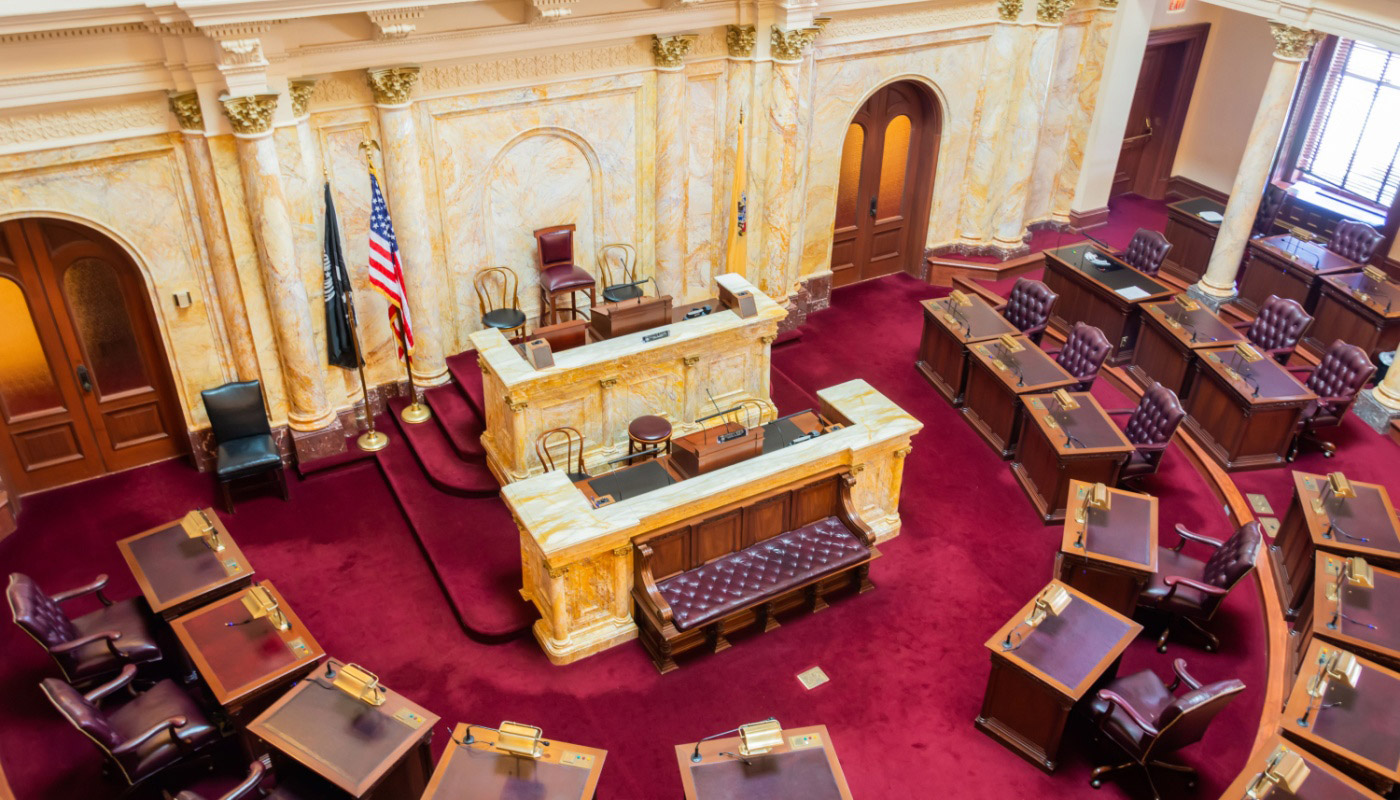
[[83, 641], [1279, 351], [1176, 580], [96, 586], [123, 678], [1299, 370], [1240, 326], [1114, 699], [250, 783], [846, 512], [648, 583], [1185, 534], [1119, 411], [164, 725], [1152, 447], [1182, 676], [1053, 353]]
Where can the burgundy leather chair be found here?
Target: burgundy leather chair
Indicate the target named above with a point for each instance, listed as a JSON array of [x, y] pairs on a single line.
[[1028, 307], [1083, 354], [1141, 715], [1150, 428], [1146, 252], [1270, 206], [149, 732], [1278, 327], [1189, 590], [559, 275], [1343, 372], [257, 786], [92, 646], [1355, 240]]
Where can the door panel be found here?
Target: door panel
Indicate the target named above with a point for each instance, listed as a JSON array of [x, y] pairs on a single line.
[[1157, 115], [1139, 131]]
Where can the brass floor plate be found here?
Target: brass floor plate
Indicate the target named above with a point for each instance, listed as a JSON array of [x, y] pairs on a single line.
[[1259, 503], [1271, 525], [812, 678]]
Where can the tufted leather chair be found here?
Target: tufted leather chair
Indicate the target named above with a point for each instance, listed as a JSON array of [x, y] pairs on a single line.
[[146, 734], [1141, 715], [1028, 307], [1150, 428], [1191, 591], [1146, 252], [256, 786], [93, 645], [1270, 206], [245, 445], [559, 275], [1278, 327], [1083, 354], [1355, 240], [1343, 372]]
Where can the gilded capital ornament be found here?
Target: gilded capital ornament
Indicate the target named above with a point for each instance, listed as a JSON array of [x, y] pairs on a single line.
[[250, 113], [1290, 42], [1052, 11], [185, 105], [790, 45], [392, 86], [670, 51], [1108, 3], [300, 92], [1009, 10], [741, 39]]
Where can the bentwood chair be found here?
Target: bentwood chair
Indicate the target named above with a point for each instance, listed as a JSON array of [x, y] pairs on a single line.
[[1150, 428], [1028, 307], [1083, 354], [1143, 717], [1278, 327], [498, 298], [1355, 241], [1339, 377], [570, 441], [246, 448], [559, 275], [1270, 206], [1191, 591], [626, 287], [89, 647], [1146, 252]]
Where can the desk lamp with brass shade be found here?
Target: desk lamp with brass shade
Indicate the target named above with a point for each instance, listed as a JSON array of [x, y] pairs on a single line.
[[260, 603], [1337, 665], [1354, 572], [357, 682], [197, 525], [1285, 769], [512, 738], [1336, 487], [1096, 497], [755, 739], [1051, 602]]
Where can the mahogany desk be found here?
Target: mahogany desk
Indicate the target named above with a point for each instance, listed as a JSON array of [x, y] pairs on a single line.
[[1361, 733], [1032, 689], [947, 336], [1287, 267], [1379, 606], [562, 772], [362, 751], [245, 665], [1113, 554], [1192, 237], [992, 401], [804, 766], [1242, 430], [1369, 515], [177, 573], [1324, 781], [1106, 297], [1048, 459], [1357, 310], [1168, 341]]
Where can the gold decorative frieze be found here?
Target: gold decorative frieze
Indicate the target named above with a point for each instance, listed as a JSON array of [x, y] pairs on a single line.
[[392, 86], [670, 51], [185, 106], [741, 40], [300, 92], [1009, 10], [790, 45], [1290, 42], [1052, 11], [251, 113]]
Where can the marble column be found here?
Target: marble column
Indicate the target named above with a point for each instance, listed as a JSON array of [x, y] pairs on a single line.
[[672, 162], [1086, 94], [315, 430], [738, 96], [216, 243], [780, 176], [1291, 47], [980, 198], [403, 173], [1377, 407]]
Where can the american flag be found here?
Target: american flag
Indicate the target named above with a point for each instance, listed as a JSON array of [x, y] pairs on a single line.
[[386, 268]]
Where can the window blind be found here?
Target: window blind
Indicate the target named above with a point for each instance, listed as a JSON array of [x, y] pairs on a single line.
[[1353, 143]]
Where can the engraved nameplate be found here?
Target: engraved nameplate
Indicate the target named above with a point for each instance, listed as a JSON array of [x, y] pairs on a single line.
[[652, 337]]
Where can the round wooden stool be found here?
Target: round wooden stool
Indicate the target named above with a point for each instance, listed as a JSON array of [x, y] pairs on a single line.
[[647, 432]]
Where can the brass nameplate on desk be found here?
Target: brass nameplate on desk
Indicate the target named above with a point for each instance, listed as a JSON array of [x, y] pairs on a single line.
[[996, 362], [805, 741], [950, 319], [409, 717], [1361, 296], [580, 760], [654, 337], [1050, 422]]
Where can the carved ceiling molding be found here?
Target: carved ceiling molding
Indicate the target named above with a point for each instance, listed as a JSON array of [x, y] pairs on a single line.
[[250, 114], [393, 86], [86, 122], [906, 22], [395, 23], [670, 51], [1290, 43], [789, 45], [300, 93], [185, 106], [72, 33], [549, 10], [740, 40], [519, 69]]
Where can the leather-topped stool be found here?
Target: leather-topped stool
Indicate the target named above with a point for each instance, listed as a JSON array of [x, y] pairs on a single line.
[[647, 432]]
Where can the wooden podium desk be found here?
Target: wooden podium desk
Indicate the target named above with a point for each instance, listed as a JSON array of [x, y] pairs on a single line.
[[1106, 297], [1360, 734], [1168, 341], [1239, 428], [1287, 267], [803, 766], [1192, 237], [1048, 460], [1324, 781], [177, 574], [1032, 689], [1113, 554], [244, 665], [992, 401], [361, 751], [1360, 607], [562, 772], [1357, 310], [1369, 516], [949, 329]]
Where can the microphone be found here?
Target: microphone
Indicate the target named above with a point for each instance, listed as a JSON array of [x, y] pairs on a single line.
[[1070, 439], [241, 622]]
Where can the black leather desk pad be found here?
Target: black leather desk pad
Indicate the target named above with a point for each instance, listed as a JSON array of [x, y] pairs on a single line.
[[793, 775], [629, 482], [1196, 205], [777, 435], [1115, 275]]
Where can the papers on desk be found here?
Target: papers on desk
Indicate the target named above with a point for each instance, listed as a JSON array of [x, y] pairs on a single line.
[[1132, 293], [1211, 216]]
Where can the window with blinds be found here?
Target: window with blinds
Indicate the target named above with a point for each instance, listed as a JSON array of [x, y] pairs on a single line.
[[1353, 142]]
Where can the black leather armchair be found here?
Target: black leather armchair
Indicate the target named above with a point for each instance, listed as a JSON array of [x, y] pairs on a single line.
[[1150, 428], [1191, 591], [246, 447], [92, 646], [1028, 307], [1278, 327], [1339, 377]]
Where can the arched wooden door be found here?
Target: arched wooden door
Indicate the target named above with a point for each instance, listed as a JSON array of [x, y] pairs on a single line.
[[882, 200], [84, 383]]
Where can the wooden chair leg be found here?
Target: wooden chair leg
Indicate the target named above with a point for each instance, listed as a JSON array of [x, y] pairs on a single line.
[[282, 482], [227, 495]]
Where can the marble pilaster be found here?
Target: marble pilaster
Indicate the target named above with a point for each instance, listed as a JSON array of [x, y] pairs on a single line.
[[780, 176], [980, 195], [1377, 407], [1086, 94], [738, 98], [1018, 162], [672, 162]]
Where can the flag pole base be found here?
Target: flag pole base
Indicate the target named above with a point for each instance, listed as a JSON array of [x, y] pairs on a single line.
[[415, 413], [372, 441]]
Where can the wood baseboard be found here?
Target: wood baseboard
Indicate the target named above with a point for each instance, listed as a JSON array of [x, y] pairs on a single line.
[[1180, 187], [1093, 218]]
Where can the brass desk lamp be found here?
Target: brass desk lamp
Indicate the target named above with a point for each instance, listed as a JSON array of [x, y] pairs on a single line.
[[1285, 769]]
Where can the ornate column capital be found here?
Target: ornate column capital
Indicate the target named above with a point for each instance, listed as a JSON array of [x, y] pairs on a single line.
[[392, 86], [670, 51], [741, 39], [1052, 11], [790, 45], [250, 114], [1009, 10], [300, 92], [185, 106], [1290, 43]]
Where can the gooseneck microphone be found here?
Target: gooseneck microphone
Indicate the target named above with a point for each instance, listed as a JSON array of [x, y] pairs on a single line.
[[241, 622]]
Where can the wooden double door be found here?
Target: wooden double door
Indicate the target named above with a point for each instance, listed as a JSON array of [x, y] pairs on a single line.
[[84, 384], [1157, 115], [886, 184]]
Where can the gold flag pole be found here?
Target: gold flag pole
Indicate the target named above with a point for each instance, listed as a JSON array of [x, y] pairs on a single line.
[[371, 440]]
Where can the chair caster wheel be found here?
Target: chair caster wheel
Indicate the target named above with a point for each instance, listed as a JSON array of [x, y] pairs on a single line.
[[1096, 783], [1161, 648], [1328, 454], [1191, 784], [1210, 648]]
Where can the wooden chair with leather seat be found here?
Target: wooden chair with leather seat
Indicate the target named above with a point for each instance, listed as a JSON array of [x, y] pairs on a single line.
[[1142, 716], [626, 288], [550, 442], [257, 786], [559, 275], [1339, 377], [1150, 428], [1146, 251], [1028, 307], [246, 448], [1354, 240], [1189, 590], [90, 647], [1278, 327], [147, 734], [1084, 352], [493, 286]]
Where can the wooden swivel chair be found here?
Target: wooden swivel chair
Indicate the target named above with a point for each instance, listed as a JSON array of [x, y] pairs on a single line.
[[1354, 240], [246, 448], [1339, 377], [1028, 307], [1083, 354], [1278, 327], [571, 442], [1150, 428], [1141, 715], [559, 275], [1146, 252], [93, 646], [1191, 591], [498, 298], [623, 289]]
